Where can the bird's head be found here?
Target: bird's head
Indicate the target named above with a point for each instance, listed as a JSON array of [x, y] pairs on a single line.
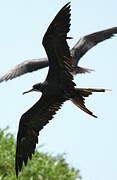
[[37, 87]]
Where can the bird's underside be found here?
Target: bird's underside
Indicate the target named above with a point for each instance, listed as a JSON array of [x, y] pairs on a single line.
[[81, 47], [58, 86]]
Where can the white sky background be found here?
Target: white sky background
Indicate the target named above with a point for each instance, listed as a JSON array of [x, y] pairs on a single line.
[[90, 143]]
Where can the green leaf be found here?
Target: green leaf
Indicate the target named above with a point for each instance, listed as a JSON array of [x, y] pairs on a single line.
[[43, 166]]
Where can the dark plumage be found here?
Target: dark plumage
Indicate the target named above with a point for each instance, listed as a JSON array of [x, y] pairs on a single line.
[[80, 48], [57, 88], [88, 42]]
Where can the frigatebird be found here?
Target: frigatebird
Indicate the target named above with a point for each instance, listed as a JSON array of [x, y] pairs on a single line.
[[80, 48], [57, 88]]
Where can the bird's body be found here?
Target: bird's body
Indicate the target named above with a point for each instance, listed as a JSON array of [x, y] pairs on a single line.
[[57, 88]]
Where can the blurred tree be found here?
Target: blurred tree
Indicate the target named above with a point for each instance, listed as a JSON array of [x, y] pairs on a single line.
[[42, 166]]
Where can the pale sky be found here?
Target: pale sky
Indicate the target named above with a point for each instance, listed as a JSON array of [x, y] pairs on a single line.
[[90, 144]]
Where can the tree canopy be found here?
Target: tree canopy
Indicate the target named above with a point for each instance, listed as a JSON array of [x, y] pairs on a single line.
[[43, 166]]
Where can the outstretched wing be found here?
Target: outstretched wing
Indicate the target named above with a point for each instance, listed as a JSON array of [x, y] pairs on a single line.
[[25, 67], [56, 47], [81, 47], [39, 115], [89, 41], [30, 125]]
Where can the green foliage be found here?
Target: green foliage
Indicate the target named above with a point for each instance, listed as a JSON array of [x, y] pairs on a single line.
[[42, 166]]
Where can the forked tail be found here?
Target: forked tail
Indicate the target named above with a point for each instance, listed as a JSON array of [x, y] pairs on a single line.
[[79, 100]]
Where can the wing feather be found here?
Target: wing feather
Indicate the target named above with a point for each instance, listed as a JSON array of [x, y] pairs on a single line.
[[25, 67], [81, 47], [31, 123], [56, 47], [89, 41]]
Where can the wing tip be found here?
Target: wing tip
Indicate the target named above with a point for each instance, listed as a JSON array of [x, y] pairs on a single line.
[[94, 116], [17, 170]]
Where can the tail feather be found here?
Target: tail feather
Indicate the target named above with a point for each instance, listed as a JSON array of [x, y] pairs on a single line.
[[85, 92], [80, 103], [77, 70], [79, 100]]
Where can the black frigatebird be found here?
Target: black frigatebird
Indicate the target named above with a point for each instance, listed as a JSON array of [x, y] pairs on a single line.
[[80, 48], [57, 88]]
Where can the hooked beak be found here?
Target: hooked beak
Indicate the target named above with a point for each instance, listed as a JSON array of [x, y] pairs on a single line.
[[31, 90]]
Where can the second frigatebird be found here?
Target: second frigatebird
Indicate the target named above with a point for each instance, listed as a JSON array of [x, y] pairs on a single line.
[[81, 47], [57, 88]]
